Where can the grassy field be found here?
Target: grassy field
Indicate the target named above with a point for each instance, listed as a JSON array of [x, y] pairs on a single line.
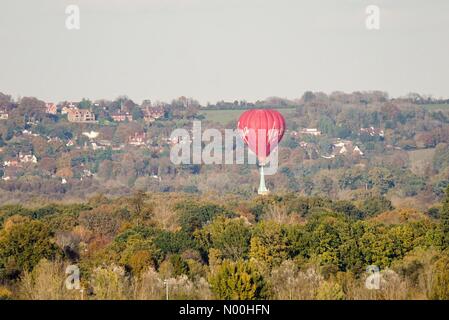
[[226, 116], [436, 107]]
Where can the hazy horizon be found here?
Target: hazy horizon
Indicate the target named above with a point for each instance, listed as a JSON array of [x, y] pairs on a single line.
[[221, 50]]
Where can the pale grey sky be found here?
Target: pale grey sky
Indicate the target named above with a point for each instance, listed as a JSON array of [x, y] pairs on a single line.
[[221, 49]]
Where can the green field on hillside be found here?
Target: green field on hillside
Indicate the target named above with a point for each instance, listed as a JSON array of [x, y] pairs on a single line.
[[226, 116], [420, 159], [437, 106]]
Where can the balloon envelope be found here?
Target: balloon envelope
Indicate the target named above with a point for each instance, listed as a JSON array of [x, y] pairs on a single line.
[[261, 129]]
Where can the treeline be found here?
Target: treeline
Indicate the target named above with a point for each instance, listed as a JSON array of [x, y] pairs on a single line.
[[273, 247]]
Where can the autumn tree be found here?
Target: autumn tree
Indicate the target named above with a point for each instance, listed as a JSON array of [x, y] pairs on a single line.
[[139, 253], [31, 108], [269, 243], [102, 220], [46, 282], [230, 236], [194, 215], [372, 205], [24, 245], [141, 210], [110, 283], [239, 280]]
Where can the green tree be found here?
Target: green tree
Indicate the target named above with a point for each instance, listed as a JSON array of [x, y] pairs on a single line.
[[109, 283], [348, 208], [270, 243], [325, 239], [139, 253], [194, 215], [239, 280], [180, 266], [231, 237], [85, 104], [173, 242], [373, 205], [137, 113], [330, 291]]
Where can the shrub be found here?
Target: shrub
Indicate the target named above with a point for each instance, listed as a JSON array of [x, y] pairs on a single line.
[[5, 294], [231, 237], [239, 280], [24, 245], [194, 215], [440, 281]]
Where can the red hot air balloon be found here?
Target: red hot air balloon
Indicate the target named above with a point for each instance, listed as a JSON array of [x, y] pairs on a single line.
[[261, 130]]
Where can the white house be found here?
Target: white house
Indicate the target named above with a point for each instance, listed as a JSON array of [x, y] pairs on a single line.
[[310, 131], [91, 135], [27, 158]]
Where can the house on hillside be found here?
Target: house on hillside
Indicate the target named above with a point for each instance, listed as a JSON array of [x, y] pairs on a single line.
[[51, 108], [91, 135], [293, 133], [29, 133], [152, 114], [66, 109], [4, 115], [105, 142], [138, 139], [122, 116], [310, 131], [11, 162], [80, 115], [118, 147], [101, 144], [54, 139], [358, 151], [373, 132], [68, 106], [96, 146], [345, 147], [127, 106], [27, 158]]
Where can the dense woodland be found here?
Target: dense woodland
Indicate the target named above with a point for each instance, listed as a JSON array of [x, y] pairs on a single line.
[[269, 247]]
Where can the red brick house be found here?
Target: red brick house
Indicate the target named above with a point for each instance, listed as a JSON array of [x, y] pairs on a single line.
[[51, 108], [138, 139], [152, 114]]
